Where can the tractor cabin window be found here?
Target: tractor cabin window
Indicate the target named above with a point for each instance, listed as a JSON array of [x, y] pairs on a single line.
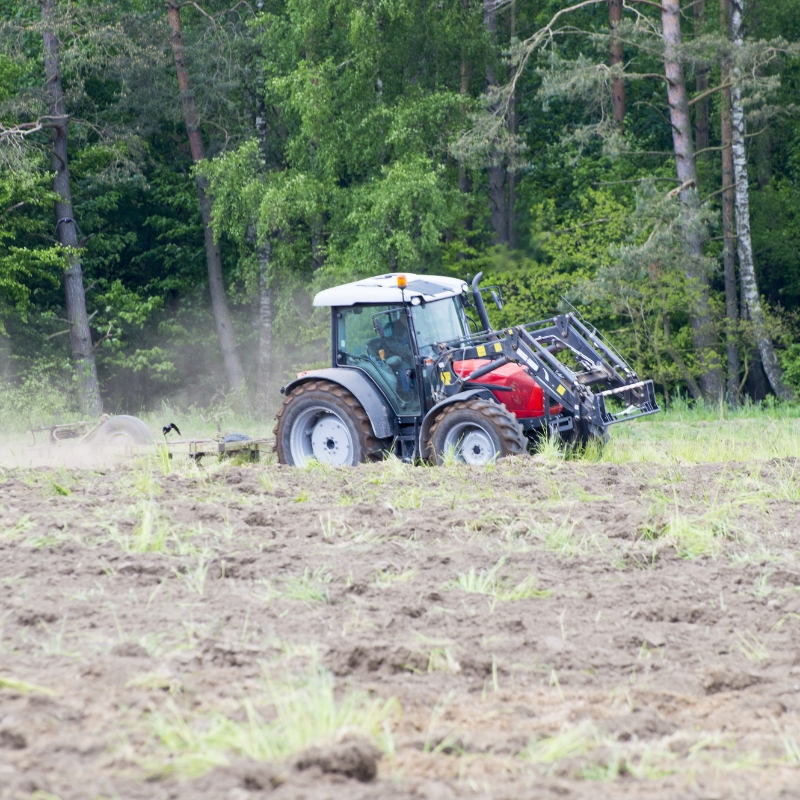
[[376, 339], [439, 321]]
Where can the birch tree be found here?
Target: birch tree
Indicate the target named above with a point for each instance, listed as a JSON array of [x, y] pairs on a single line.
[[728, 231], [747, 274]]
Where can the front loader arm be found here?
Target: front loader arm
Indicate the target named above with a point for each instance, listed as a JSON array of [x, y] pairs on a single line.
[[534, 347]]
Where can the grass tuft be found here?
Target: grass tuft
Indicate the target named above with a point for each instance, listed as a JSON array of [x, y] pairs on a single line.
[[490, 583], [310, 587], [303, 711], [23, 687]]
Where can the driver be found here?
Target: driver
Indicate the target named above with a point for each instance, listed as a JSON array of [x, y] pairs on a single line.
[[395, 350]]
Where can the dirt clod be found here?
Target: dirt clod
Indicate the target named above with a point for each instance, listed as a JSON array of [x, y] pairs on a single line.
[[355, 759], [257, 519], [129, 650], [12, 738]]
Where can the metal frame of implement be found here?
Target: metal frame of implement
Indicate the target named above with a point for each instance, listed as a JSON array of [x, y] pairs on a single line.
[[534, 346], [75, 434]]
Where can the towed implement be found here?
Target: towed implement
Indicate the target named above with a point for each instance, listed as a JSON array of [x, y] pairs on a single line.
[[125, 436], [414, 374]]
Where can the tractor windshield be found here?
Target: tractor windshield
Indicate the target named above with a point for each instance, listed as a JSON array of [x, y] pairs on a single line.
[[440, 321]]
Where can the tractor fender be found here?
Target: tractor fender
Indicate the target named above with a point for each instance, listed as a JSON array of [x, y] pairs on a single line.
[[428, 421], [380, 413]]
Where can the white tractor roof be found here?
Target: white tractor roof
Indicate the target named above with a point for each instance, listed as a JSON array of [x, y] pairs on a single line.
[[383, 290]]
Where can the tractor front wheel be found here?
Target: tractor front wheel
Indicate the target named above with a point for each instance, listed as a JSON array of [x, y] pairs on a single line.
[[322, 421], [475, 432]]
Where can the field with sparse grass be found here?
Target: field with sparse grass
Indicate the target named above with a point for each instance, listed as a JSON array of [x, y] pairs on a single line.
[[623, 622]]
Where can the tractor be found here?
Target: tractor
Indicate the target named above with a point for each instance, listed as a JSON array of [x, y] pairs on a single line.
[[414, 373]]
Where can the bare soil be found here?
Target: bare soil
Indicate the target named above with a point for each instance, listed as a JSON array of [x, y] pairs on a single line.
[[659, 659]]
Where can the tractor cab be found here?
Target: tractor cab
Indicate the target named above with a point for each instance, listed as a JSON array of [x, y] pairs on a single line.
[[389, 328], [412, 373]]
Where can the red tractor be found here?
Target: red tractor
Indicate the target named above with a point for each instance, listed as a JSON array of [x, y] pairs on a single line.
[[414, 374]]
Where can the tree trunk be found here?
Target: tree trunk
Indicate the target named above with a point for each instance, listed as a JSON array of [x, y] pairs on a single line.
[[728, 234], [512, 127], [691, 383], [464, 182], [747, 273], [702, 325], [265, 314], [497, 170], [80, 335], [266, 291], [763, 159], [618, 84], [216, 285], [701, 82]]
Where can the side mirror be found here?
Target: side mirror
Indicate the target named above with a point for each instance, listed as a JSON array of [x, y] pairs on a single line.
[[377, 326], [498, 301]]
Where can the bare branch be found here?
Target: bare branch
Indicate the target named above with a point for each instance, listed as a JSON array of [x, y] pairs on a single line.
[[644, 3], [714, 194], [722, 147], [690, 184], [192, 3], [708, 92], [107, 335]]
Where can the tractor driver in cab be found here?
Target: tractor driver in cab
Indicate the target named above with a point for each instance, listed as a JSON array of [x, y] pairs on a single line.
[[393, 347]]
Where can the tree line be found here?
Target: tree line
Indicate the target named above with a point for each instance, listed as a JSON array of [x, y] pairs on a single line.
[[178, 178]]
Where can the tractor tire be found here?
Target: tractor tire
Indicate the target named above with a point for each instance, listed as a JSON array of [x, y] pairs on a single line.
[[123, 430], [322, 421], [475, 432]]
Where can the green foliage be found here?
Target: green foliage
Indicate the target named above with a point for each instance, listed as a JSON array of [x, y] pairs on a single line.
[[356, 174]]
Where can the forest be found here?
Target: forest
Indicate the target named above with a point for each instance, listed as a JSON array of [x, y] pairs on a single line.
[[178, 179]]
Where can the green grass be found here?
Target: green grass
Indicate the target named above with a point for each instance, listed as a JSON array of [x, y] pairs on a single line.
[[568, 744], [23, 687], [386, 578], [700, 434], [303, 711], [490, 583], [310, 587]]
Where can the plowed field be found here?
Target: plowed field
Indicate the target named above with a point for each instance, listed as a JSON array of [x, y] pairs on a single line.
[[544, 628]]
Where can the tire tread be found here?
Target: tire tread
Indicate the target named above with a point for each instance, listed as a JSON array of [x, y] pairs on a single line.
[[507, 425]]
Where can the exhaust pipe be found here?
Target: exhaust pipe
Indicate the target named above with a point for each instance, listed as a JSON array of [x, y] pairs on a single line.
[[478, 298]]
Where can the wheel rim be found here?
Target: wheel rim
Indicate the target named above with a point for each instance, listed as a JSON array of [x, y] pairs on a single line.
[[470, 444], [322, 435]]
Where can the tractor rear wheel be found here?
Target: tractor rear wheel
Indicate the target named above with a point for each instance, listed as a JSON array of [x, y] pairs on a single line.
[[322, 421], [475, 432]]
